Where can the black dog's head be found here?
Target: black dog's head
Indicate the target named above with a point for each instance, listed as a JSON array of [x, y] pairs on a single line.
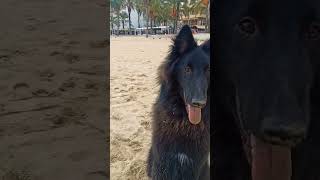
[[264, 50], [186, 72]]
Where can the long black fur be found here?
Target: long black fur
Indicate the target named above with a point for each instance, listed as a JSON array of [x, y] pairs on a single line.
[[179, 149]]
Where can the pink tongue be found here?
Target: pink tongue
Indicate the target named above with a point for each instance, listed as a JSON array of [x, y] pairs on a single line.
[[194, 114], [270, 162]]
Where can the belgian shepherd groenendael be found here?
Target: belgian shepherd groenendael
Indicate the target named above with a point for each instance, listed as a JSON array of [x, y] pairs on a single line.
[[181, 114]]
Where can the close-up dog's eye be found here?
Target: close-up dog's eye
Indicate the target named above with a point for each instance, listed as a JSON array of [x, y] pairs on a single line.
[[187, 69], [313, 32], [247, 26]]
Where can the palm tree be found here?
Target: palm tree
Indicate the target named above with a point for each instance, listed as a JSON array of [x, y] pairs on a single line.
[[155, 8], [187, 9], [123, 18], [116, 6], [176, 12], [164, 13], [139, 6], [130, 6], [113, 21], [202, 7], [146, 9]]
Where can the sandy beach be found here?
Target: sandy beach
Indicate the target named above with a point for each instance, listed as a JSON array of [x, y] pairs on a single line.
[[134, 62], [53, 90]]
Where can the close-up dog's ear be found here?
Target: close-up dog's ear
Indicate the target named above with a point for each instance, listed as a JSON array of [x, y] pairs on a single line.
[[206, 47], [184, 41]]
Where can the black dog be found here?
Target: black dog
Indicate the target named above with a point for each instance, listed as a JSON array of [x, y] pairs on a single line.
[[181, 114], [267, 55]]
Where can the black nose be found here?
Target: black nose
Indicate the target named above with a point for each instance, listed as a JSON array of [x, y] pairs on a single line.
[[285, 132], [290, 132], [198, 102]]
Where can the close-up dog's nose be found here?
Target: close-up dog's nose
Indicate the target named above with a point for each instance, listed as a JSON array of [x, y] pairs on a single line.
[[285, 132], [198, 102], [290, 132]]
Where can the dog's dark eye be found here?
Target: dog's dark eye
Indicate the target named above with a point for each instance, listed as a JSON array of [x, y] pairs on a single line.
[[187, 69], [313, 31], [247, 27]]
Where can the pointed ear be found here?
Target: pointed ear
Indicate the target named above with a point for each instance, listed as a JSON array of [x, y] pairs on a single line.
[[206, 46], [184, 41]]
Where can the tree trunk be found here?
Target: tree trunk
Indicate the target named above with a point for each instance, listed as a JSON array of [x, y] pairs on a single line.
[[129, 13], [147, 31], [118, 22], [139, 14], [175, 28], [154, 25]]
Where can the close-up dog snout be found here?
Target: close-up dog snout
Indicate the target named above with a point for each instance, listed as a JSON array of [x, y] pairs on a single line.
[[198, 102], [293, 132]]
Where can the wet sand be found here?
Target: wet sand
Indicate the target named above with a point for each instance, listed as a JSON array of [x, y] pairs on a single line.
[[52, 90]]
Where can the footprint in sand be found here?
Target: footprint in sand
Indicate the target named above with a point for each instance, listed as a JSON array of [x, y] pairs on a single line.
[[57, 121], [66, 116], [21, 91], [142, 75], [72, 58], [44, 93], [69, 84], [46, 75], [19, 52], [91, 85], [55, 53], [131, 98], [146, 125], [20, 85], [116, 117], [4, 57], [99, 44], [136, 146], [5, 60]]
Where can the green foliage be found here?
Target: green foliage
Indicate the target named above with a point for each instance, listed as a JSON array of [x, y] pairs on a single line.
[[159, 11]]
